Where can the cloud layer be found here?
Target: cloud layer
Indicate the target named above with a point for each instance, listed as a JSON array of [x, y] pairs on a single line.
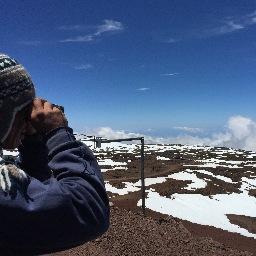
[[221, 27], [108, 26], [240, 133], [170, 74], [232, 24], [143, 89], [188, 129]]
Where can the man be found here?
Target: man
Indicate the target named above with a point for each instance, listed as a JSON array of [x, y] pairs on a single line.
[[53, 197]]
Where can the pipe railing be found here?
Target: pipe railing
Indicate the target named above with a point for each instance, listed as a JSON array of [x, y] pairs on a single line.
[[99, 140]]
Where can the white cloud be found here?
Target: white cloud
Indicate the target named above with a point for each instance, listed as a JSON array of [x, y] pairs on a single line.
[[233, 24], [143, 89], [251, 18], [109, 133], [240, 133], [241, 126], [225, 25], [228, 27], [108, 26], [188, 129], [83, 67], [170, 74], [87, 38], [243, 132]]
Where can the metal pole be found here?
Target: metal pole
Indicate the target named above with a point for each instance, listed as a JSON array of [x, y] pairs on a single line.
[[99, 140], [142, 176]]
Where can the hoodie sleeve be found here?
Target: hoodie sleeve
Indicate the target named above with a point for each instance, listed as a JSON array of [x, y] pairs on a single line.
[[66, 210], [33, 157]]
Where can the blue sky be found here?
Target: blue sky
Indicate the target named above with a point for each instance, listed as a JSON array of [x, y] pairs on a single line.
[[154, 67]]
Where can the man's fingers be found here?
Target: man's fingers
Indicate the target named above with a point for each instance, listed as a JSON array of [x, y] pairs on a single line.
[[38, 104], [46, 116], [48, 106]]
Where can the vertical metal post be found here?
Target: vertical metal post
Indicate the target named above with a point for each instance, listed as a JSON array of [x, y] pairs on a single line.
[[142, 176], [97, 142]]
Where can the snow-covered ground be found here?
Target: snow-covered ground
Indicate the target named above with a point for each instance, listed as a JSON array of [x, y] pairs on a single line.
[[195, 207], [203, 210], [192, 206]]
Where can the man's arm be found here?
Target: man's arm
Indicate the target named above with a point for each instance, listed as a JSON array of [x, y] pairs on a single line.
[[65, 210], [33, 157]]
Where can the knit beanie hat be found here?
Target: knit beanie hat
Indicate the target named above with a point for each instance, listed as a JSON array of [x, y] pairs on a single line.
[[16, 92]]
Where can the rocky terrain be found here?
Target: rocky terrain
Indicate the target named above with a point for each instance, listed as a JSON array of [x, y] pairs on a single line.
[[133, 234], [210, 190], [199, 201], [203, 185]]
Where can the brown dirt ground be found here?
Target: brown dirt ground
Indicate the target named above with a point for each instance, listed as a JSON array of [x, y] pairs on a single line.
[[229, 239], [131, 233], [246, 222]]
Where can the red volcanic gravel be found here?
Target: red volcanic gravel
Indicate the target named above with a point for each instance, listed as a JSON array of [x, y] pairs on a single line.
[[133, 234]]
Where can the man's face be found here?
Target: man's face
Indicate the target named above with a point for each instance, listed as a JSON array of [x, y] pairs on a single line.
[[18, 130]]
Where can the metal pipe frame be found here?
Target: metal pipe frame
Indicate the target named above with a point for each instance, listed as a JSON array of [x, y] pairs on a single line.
[[142, 174]]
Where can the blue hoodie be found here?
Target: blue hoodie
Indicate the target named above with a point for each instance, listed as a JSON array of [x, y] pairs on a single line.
[[62, 202]]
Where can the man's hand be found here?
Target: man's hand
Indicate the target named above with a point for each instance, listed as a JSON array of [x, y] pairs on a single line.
[[45, 117]]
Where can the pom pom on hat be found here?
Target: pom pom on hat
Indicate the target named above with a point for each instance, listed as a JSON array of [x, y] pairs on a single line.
[[16, 92]]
